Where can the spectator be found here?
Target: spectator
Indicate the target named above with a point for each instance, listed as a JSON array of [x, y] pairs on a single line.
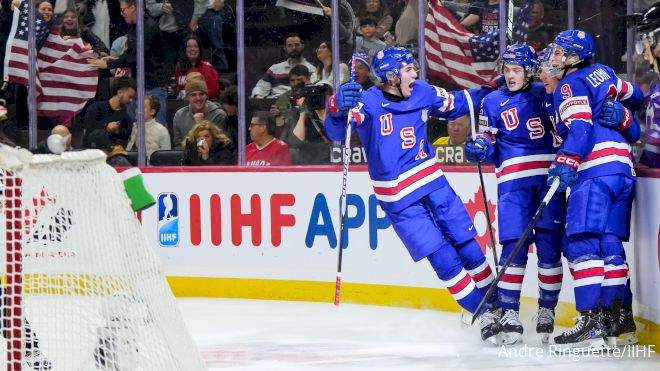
[[304, 132], [458, 130], [483, 16], [324, 68], [110, 117], [175, 19], [60, 130], [156, 72], [191, 61], [206, 144], [540, 33], [363, 74], [368, 43], [87, 18], [73, 27], [298, 75], [158, 138], [273, 83], [199, 108], [405, 29], [45, 8], [379, 11], [116, 154], [229, 103], [265, 149], [106, 17], [212, 30]]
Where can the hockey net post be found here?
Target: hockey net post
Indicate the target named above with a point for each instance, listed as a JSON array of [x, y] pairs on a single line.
[[82, 289]]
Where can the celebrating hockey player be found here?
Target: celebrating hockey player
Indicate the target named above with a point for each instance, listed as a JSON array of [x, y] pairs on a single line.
[[425, 212], [596, 162], [518, 137]]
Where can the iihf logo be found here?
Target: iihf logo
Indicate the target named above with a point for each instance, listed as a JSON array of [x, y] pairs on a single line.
[[168, 219]]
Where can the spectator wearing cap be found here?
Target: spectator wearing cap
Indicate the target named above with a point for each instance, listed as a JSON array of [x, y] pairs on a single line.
[[363, 74], [265, 149], [199, 108], [324, 68]]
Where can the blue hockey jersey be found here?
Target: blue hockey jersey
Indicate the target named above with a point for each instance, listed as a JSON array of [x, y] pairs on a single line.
[[525, 143], [401, 161], [578, 100]]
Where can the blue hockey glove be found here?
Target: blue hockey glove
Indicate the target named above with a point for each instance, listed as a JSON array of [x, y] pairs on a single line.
[[495, 84], [565, 168], [476, 150], [615, 116], [347, 97]]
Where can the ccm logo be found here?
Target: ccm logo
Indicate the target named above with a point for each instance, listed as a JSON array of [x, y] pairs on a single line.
[[570, 161]]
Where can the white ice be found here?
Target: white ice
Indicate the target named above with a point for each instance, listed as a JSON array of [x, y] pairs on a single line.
[[235, 334]]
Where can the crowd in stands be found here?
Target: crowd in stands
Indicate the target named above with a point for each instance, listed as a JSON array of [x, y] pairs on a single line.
[[191, 100]]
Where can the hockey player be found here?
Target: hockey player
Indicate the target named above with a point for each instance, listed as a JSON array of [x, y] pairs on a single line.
[[425, 212], [649, 28], [596, 162], [518, 137]]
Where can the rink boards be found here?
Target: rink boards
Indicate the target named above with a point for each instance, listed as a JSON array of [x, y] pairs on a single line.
[[271, 233]]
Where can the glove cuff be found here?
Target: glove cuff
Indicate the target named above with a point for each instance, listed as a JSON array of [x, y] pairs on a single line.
[[572, 161], [494, 84], [332, 104], [627, 120]]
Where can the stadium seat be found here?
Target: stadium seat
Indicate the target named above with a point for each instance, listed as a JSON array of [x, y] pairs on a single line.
[[166, 158]]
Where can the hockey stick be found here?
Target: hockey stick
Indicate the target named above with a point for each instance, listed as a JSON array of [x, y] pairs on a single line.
[[342, 200], [519, 244], [481, 180]]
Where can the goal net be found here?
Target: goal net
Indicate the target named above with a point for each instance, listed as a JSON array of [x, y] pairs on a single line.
[[81, 287]]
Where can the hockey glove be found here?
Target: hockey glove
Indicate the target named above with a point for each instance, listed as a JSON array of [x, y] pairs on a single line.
[[347, 97], [615, 116], [564, 167], [476, 150], [495, 84]]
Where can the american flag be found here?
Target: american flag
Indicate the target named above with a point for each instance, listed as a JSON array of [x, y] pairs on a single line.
[[65, 81], [459, 56]]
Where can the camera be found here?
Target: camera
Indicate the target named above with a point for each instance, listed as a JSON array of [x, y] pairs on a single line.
[[200, 142], [314, 96]]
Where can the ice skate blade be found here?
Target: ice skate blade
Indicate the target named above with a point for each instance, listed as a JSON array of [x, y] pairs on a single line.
[[591, 345], [627, 339], [545, 338], [494, 340], [511, 338]]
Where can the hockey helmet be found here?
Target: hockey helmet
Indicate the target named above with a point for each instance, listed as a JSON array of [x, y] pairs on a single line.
[[576, 42], [523, 55], [546, 64], [387, 63]]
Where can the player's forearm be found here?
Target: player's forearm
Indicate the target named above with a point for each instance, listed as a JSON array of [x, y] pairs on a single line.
[[579, 139]]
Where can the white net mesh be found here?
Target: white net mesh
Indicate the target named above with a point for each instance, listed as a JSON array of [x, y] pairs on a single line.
[[93, 295]]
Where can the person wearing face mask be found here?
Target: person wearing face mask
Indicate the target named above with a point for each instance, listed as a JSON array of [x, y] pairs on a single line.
[[424, 210], [517, 136]]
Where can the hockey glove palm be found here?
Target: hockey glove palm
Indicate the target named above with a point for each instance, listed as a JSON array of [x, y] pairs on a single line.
[[476, 150], [615, 116], [565, 168], [347, 97]]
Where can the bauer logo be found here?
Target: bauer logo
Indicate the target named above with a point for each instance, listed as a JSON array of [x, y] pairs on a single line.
[[168, 219]]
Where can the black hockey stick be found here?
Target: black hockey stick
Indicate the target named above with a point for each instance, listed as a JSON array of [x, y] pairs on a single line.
[[481, 180], [519, 244]]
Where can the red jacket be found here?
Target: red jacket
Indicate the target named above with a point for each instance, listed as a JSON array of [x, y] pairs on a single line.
[[210, 76]]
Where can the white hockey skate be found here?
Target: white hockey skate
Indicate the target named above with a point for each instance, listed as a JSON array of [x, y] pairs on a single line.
[[512, 328], [489, 324]]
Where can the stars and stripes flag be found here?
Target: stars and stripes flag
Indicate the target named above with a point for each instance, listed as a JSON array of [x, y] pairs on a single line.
[[459, 56], [65, 81]]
